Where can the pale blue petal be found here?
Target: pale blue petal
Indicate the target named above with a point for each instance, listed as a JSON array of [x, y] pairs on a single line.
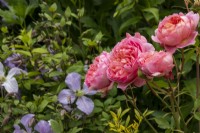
[[85, 104], [15, 71], [73, 81], [43, 127], [11, 85], [87, 91], [27, 121], [1, 69], [18, 130], [66, 96], [67, 107]]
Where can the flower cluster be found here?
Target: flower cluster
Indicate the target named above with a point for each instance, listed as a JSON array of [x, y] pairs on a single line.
[[9, 82], [75, 94], [134, 53], [27, 121]]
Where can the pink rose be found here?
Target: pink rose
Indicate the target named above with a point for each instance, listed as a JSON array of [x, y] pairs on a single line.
[[96, 77], [123, 65], [156, 64], [177, 31]]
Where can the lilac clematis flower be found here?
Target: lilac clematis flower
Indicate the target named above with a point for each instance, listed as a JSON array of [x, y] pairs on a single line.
[[43, 127], [18, 129], [27, 121], [9, 82], [69, 96], [15, 60], [4, 3]]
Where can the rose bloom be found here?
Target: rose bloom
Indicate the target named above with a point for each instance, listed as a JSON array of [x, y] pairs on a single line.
[[177, 31], [96, 77], [123, 65], [156, 64]]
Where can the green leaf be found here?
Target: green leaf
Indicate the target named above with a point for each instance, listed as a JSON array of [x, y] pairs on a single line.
[[68, 12], [40, 50], [56, 127], [154, 11], [162, 123], [53, 7], [33, 73], [61, 86], [108, 101], [42, 105], [105, 115], [98, 37], [97, 110], [119, 111], [55, 73], [121, 98], [197, 115], [77, 67], [127, 121], [4, 29], [197, 103], [33, 4], [48, 17], [19, 7], [9, 17], [75, 130], [62, 22], [128, 23], [125, 111], [190, 87], [98, 103], [81, 12], [27, 84], [50, 84], [27, 53]]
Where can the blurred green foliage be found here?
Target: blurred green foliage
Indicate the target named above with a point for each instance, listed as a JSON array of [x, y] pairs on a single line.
[[63, 36]]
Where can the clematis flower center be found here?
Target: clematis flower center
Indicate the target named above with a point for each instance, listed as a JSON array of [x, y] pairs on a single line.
[[2, 79], [79, 93]]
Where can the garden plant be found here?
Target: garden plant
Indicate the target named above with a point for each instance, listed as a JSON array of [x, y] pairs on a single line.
[[99, 66]]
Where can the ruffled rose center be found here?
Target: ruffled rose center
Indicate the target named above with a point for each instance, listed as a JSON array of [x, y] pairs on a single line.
[[175, 20]]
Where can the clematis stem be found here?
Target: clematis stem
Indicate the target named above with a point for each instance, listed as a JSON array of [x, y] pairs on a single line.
[[131, 100]]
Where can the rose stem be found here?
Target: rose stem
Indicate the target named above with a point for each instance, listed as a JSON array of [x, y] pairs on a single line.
[[197, 79], [131, 101], [158, 96]]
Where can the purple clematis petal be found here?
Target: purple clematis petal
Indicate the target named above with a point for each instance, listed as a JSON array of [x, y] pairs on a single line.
[[87, 91], [27, 121], [73, 81], [43, 127], [18, 130], [66, 96], [67, 107], [85, 104]]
